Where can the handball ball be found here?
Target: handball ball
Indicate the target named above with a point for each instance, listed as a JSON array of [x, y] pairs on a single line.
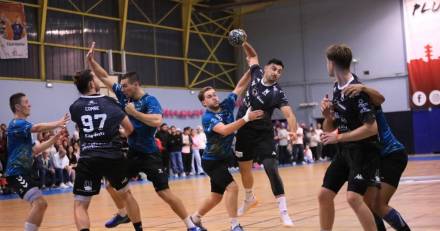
[[237, 37]]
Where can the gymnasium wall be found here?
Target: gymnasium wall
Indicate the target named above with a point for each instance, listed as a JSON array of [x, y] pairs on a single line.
[[51, 103], [299, 31]]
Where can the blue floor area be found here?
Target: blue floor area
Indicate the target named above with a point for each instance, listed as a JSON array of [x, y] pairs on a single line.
[[54, 191]]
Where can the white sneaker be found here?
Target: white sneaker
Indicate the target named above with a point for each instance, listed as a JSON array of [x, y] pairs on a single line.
[[176, 175], [63, 186], [69, 184], [285, 218], [183, 174], [247, 205]]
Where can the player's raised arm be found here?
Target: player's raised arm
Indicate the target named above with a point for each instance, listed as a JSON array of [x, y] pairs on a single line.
[[38, 148], [41, 127], [251, 54], [97, 69], [243, 83]]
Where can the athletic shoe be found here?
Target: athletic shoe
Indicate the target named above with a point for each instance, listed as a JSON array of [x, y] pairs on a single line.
[[247, 204], [69, 184], [194, 229], [63, 186], [237, 228], [285, 218], [198, 224], [117, 220]]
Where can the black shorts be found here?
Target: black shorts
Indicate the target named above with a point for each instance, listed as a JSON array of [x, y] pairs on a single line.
[[255, 145], [356, 163], [21, 184], [392, 167], [218, 173], [90, 171], [150, 164]]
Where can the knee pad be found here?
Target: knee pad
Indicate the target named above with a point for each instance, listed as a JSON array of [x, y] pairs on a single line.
[[33, 194], [83, 198]]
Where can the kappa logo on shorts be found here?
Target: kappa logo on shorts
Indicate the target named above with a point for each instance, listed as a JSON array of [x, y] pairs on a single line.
[[274, 153], [238, 154], [124, 180], [359, 177], [22, 182], [160, 171], [88, 185]]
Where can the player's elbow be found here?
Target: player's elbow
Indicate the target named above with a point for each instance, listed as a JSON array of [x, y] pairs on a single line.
[[371, 128]]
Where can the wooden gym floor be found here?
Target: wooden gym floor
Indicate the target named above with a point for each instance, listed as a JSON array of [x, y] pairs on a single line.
[[417, 199]]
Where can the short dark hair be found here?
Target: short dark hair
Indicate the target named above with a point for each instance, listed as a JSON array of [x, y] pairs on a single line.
[[186, 129], [340, 54], [132, 77], [276, 62], [82, 80], [15, 99], [164, 124], [202, 92]]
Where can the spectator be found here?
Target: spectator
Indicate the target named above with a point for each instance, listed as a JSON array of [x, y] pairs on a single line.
[[283, 141], [46, 170], [308, 156], [175, 149], [196, 160], [202, 139], [73, 161], [314, 142], [319, 132], [298, 146], [61, 164], [3, 144], [186, 151], [163, 135]]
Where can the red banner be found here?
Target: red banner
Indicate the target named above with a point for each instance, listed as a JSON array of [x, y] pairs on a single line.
[[422, 35]]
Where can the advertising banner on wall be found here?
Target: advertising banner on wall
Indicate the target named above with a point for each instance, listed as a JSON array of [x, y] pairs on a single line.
[[13, 38], [422, 36]]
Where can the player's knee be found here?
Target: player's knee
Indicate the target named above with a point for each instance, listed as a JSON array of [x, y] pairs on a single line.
[[325, 196], [232, 187], [354, 200], [40, 204]]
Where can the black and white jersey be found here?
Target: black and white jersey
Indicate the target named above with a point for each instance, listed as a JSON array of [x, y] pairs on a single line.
[[98, 118], [352, 112], [262, 97]]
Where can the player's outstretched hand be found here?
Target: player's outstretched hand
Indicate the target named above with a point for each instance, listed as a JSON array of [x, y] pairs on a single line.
[[255, 115], [353, 90], [91, 52], [326, 107], [63, 121], [330, 137]]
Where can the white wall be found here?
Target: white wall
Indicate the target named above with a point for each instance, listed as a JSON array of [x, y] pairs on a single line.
[[299, 31], [51, 103]]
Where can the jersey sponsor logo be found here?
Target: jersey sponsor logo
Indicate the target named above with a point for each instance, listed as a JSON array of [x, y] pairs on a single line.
[[92, 102], [88, 185], [254, 92], [265, 92], [260, 99], [238, 154], [359, 177], [96, 134]]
